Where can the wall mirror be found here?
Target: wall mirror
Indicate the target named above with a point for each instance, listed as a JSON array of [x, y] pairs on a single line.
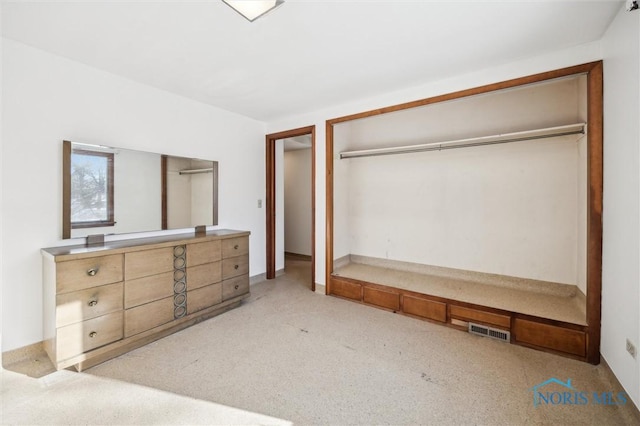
[[109, 190]]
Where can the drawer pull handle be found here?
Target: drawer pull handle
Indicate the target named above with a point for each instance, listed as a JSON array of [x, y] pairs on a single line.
[[92, 272], [236, 266], [237, 286], [93, 302], [93, 334], [236, 247]]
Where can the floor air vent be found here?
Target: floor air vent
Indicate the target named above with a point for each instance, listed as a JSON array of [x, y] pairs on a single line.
[[483, 330]]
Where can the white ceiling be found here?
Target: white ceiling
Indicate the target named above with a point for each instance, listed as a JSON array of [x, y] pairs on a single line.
[[305, 55]]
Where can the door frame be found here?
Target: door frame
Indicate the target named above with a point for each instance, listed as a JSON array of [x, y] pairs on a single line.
[[270, 200]]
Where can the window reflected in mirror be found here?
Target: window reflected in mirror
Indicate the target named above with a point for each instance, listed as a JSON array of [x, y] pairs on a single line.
[[91, 188], [110, 190]]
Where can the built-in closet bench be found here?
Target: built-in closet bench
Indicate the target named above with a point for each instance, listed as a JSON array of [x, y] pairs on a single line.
[[541, 315]]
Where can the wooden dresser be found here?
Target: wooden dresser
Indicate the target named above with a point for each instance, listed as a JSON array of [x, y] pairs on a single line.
[[102, 301]]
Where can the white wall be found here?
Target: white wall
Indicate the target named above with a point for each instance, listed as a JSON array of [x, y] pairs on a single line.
[[506, 209], [1, 175], [621, 214], [621, 262], [297, 201], [47, 98], [554, 60]]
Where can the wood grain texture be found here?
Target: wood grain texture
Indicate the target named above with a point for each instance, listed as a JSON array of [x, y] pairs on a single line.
[[147, 289], [149, 262], [594, 209], [270, 160], [235, 266], [204, 297], [82, 251], [202, 275], [147, 300], [382, 298], [206, 252], [479, 316], [75, 275], [235, 287], [233, 247], [549, 337], [328, 260], [346, 289], [424, 308], [86, 304], [66, 190], [97, 356], [145, 317], [76, 338]]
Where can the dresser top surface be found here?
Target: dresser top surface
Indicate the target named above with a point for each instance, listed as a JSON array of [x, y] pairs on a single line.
[[83, 250]]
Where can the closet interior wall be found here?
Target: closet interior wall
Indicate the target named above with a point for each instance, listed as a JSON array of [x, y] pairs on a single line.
[[516, 209]]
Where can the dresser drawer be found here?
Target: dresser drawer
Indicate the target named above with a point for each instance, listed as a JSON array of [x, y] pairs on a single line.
[[235, 266], [148, 316], [235, 287], [235, 247], [201, 275], [148, 262], [147, 289], [200, 253], [84, 273], [84, 336], [82, 305], [203, 298]]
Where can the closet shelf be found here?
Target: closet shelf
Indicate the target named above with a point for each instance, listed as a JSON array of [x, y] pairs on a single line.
[[527, 135]]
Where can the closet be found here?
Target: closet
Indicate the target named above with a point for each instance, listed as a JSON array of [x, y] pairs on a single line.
[[478, 209]]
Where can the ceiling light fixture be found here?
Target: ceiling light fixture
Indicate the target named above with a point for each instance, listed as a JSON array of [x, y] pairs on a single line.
[[253, 9]]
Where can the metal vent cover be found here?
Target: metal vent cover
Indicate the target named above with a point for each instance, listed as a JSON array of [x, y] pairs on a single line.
[[494, 333]]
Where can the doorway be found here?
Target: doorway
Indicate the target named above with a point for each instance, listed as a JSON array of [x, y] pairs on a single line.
[[274, 163]]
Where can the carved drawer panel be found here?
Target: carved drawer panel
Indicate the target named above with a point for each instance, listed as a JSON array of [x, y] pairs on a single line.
[[235, 287], [82, 305], [235, 247], [84, 336], [201, 253], [91, 272], [235, 266]]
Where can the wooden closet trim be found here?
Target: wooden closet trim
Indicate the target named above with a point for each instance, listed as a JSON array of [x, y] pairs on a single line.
[[594, 73], [270, 201]]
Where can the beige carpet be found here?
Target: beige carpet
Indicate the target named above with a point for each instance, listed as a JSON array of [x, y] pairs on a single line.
[[312, 359], [290, 355]]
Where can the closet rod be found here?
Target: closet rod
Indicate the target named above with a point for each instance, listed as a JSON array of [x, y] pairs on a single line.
[[527, 135], [195, 171]]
